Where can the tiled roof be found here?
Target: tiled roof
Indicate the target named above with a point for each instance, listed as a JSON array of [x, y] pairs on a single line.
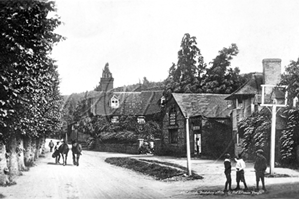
[[251, 87], [150, 102], [130, 103], [207, 105]]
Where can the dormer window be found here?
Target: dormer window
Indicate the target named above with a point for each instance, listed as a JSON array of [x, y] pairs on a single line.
[[114, 102], [162, 101]]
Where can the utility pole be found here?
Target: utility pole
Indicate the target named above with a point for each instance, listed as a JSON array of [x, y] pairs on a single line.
[[188, 153]]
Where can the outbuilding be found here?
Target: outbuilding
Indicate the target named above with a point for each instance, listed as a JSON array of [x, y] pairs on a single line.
[[210, 129]]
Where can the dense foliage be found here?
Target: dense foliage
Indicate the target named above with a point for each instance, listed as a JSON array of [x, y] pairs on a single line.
[[29, 82], [290, 135], [256, 129], [97, 127], [192, 75]]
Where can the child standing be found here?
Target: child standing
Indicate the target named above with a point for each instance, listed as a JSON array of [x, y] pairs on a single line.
[[227, 171], [260, 167], [240, 176]]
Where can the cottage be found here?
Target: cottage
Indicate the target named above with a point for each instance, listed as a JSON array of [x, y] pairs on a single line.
[[111, 106], [209, 124]]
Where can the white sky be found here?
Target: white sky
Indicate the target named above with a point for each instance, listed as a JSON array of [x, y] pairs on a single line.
[[140, 38]]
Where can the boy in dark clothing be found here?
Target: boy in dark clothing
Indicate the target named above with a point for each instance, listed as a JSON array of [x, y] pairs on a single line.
[[260, 167], [227, 171], [51, 145]]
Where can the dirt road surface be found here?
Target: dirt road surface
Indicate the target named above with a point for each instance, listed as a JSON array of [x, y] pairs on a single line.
[[94, 178]]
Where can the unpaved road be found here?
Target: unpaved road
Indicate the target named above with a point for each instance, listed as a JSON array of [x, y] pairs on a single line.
[[94, 178]]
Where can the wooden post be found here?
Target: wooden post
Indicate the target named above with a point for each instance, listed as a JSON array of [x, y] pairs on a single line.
[[273, 135], [188, 153]]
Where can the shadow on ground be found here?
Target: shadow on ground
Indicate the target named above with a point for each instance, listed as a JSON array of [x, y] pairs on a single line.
[[60, 164]]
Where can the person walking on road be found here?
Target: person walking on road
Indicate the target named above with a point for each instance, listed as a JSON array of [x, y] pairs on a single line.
[[240, 172], [56, 146], [260, 167], [227, 171], [51, 145]]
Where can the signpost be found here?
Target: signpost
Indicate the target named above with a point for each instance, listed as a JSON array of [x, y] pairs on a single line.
[[188, 153], [272, 96]]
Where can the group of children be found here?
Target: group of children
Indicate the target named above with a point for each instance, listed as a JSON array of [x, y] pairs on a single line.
[[260, 167]]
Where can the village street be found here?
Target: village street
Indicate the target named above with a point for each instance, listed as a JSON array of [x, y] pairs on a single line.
[[96, 179]]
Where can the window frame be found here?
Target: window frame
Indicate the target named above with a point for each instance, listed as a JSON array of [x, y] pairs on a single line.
[[173, 136], [114, 102]]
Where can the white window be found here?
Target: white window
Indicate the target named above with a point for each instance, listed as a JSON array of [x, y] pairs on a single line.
[[141, 120], [114, 102], [115, 119], [162, 101]]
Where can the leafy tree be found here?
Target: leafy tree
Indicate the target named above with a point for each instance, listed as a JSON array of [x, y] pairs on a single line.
[[27, 72], [29, 95], [219, 77], [189, 68], [291, 78], [290, 135], [192, 75], [152, 130]]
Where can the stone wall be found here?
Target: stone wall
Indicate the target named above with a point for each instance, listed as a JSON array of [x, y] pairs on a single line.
[[130, 148], [178, 148]]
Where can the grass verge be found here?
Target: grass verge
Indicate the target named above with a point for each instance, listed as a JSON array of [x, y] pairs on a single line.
[[158, 170]]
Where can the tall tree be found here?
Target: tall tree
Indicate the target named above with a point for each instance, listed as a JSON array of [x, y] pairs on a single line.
[[27, 72], [220, 78], [189, 68], [192, 75], [28, 75]]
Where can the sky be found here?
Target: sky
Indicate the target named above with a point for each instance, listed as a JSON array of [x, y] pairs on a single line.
[[141, 38]]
